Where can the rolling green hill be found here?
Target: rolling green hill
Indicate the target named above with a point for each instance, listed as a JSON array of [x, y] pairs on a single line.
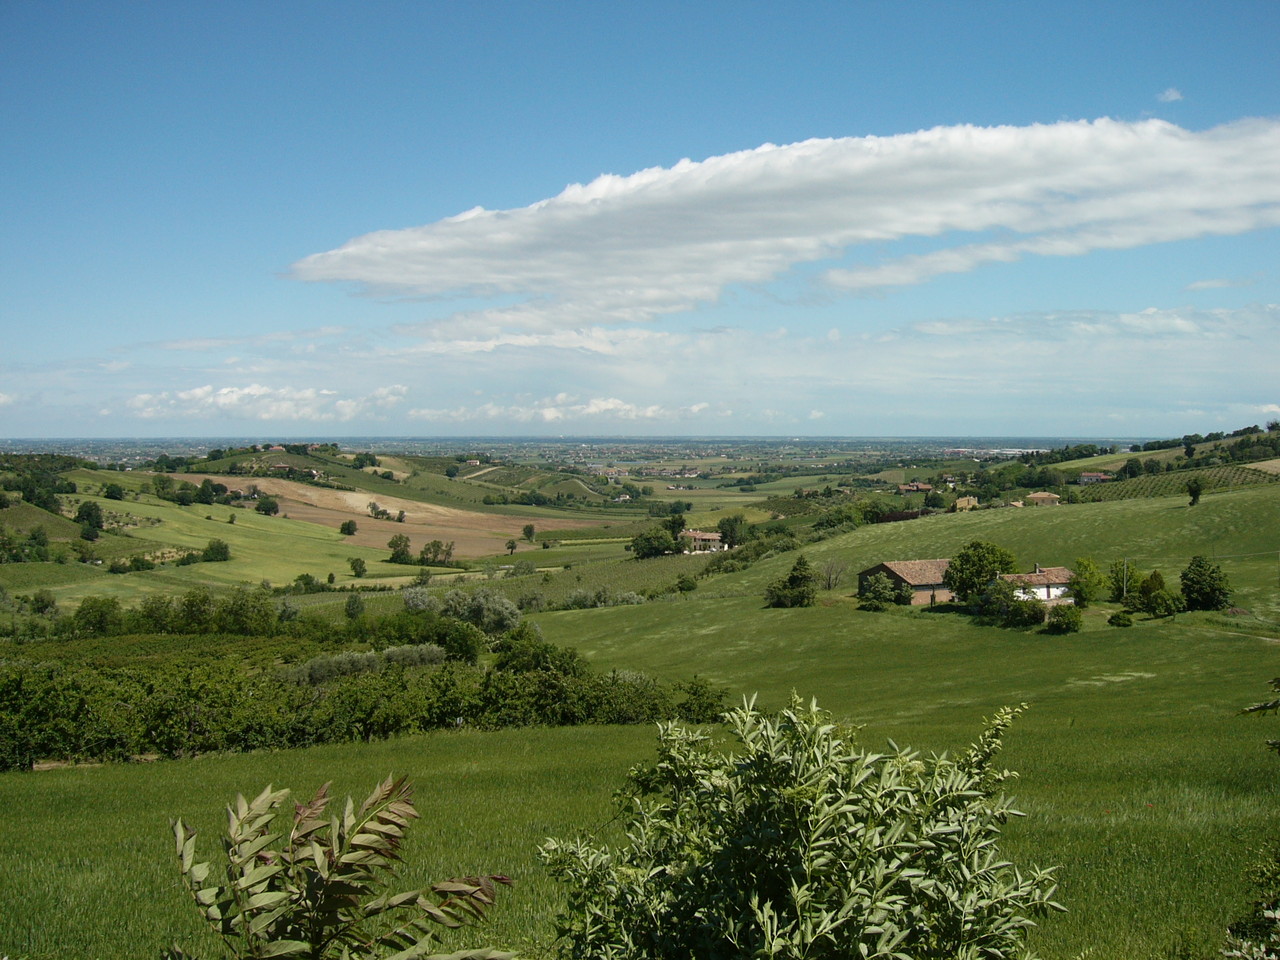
[[1137, 776]]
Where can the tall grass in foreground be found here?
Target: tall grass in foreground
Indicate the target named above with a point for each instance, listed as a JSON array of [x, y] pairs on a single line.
[[89, 869]]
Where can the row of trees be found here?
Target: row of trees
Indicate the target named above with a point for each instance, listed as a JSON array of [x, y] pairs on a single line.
[[52, 712], [433, 553]]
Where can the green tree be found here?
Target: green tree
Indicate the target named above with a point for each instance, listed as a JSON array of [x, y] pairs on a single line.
[[246, 612], [90, 514], [354, 607], [877, 593], [1088, 584], [1153, 598], [511, 546], [113, 491], [791, 842], [268, 506], [798, 588], [1123, 578], [652, 543], [216, 551], [1065, 618], [1195, 487], [358, 567], [99, 616], [1204, 586], [974, 567], [347, 528], [195, 611], [734, 530], [399, 546], [529, 532], [318, 888]]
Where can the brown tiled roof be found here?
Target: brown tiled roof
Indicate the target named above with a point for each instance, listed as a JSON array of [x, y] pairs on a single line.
[[919, 572], [1042, 577], [1043, 495], [701, 535]]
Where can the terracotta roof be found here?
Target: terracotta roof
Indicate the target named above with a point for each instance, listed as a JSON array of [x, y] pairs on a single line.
[[1043, 495], [1041, 577], [701, 535], [919, 572]]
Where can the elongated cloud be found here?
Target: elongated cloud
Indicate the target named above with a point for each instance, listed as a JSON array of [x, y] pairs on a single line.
[[664, 240], [562, 408], [258, 402]]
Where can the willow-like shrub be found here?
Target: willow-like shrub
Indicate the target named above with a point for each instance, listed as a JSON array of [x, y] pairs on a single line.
[[792, 843]]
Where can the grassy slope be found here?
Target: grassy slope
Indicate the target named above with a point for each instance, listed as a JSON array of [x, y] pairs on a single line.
[[1137, 777]]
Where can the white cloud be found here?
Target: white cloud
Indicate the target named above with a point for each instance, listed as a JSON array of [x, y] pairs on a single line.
[[207, 344], [258, 402], [5, 399], [1170, 95], [563, 408], [663, 240], [1219, 283]]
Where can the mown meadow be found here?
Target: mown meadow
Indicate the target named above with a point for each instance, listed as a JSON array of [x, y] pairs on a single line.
[[1138, 777]]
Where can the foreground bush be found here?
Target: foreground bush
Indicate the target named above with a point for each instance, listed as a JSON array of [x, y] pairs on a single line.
[[1065, 618], [794, 844], [322, 892]]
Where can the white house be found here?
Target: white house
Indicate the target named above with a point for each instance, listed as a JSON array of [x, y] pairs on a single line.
[[1043, 583]]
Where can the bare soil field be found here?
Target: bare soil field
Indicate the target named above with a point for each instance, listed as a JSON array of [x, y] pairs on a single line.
[[473, 534], [1266, 466]]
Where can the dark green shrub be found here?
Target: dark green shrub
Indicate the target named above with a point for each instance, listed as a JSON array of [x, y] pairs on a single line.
[[797, 589], [1065, 618], [1121, 618]]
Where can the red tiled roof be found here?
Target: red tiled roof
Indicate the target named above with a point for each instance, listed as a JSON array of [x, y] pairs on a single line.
[[1042, 577], [918, 572]]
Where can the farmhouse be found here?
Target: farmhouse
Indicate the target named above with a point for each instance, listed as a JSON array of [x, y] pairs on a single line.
[[1095, 477], [1043, 498], [702, 541], [966, 503], [915, 486], [1043, 583], [923, 577]]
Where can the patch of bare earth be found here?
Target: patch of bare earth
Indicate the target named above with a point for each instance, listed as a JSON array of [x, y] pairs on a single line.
[[473, 534], [1266, 466]]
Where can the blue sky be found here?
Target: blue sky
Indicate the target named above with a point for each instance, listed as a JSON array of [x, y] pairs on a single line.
[[430, 219]]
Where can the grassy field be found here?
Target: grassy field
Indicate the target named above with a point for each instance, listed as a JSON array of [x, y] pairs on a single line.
[[1136, 776], [1136, 773]]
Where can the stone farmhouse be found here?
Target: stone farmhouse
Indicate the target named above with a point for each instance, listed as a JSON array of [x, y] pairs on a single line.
[[923, 577], [703, 541], [1043, 498]]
